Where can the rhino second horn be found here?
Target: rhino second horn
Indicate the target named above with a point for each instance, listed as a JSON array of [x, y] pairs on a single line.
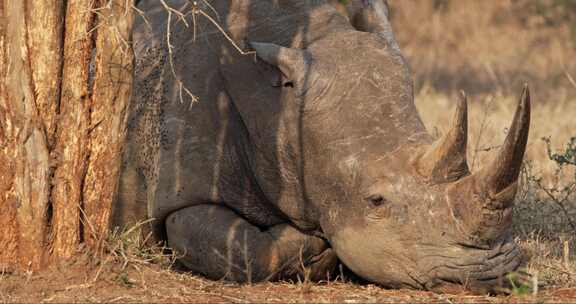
[[504, 170], [291, 62], [446, 161]]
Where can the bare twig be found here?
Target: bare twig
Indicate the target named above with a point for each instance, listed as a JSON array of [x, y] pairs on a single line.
[[240, 50], [181, 16], [212, 9], [143, 15], [488, 149], [482, 128], [568, 191], [572, 81]]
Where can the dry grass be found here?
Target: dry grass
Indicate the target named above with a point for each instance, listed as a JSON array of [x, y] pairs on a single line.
[[487, 48]]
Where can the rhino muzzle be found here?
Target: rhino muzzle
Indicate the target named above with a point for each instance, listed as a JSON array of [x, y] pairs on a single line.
[[481, 270]]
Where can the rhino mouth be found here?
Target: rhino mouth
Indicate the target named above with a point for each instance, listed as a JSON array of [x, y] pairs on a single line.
[[482, 269]]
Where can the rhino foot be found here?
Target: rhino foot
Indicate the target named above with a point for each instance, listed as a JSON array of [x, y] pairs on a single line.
[[322, 266]]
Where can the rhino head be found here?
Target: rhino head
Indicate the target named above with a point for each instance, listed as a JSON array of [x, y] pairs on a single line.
[[398, 207]]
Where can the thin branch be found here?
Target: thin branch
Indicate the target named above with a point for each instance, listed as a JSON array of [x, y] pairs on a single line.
[[212, 9], [488, 149], [143, 15], [482, 128], [170, 10], [240, 50], [569, 190], [570, 78], [181, 17]]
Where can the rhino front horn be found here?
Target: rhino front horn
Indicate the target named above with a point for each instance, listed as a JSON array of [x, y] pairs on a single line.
[[445, 161], [504, 170]]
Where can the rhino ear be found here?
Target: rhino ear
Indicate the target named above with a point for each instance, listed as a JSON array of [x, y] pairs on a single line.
[[292, 62], [373, 17]]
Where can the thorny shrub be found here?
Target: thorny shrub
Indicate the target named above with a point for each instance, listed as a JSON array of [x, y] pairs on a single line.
[[548, 206]]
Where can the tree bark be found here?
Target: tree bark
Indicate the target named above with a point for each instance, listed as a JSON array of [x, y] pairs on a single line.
[[71, 148], [61, 132], [110, 102], [26, 150], [45, 39]]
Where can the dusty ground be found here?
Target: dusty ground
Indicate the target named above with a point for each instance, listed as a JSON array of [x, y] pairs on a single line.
[[80, 282], [488, 48]]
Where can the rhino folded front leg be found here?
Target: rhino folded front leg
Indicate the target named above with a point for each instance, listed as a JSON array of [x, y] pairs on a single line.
[[216, 242]]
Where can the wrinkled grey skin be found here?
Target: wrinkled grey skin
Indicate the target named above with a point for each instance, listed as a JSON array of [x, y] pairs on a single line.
[[302, 155]]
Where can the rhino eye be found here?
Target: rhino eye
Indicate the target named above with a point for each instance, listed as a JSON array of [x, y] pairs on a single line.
[[376, 200]]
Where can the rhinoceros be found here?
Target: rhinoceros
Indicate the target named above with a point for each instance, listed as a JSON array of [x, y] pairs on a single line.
[[304, 149]]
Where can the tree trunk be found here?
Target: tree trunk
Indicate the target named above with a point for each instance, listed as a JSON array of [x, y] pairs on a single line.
[[108, 117], [62, 124]]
